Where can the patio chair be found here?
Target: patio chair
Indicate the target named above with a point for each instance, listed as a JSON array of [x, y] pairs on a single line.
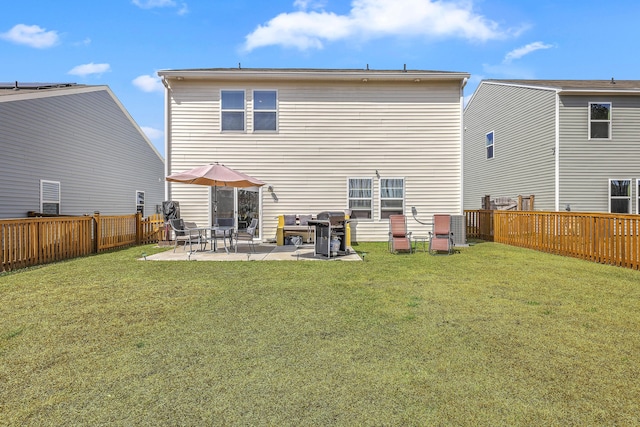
[[186, 232], [247, 235], [399, 238], [441, 239]]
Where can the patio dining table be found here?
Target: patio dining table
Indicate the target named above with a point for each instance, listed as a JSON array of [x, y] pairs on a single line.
[[213, 233]]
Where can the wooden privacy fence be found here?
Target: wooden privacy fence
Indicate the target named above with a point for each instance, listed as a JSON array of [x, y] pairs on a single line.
[[600, 237], [31, 241]]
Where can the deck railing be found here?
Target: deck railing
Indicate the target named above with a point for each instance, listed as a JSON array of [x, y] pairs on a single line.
[[600, 237], [26, 242]]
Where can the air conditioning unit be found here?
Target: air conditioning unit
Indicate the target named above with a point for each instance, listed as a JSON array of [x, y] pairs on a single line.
[[459, 229]]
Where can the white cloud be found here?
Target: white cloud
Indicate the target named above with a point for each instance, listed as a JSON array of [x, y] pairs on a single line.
[[152, 133], [309, 4], [91, 68], [148, 83], [373, 19], [525, 50], [31, 35], [150, 4], [184, 9]]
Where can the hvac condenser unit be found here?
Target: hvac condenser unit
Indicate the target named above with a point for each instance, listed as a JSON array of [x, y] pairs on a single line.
[[459, 229]]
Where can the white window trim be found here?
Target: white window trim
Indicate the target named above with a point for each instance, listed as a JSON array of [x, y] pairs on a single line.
[[493, 145], [610, 121], [44, 182], [253, 111], [620, 197], [244, 110], [372, 196], [637, 196], [380, 198]]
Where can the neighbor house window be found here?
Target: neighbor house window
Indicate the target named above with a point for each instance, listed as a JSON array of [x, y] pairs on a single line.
[[638, 196], [391, 196], [50, 197], [232, 110], [599, 120], [361, 197], [620, 196], [140, 202], [265, 110], [489, 144]]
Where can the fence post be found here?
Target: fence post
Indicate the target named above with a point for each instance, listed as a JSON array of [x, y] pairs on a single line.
[[97, 232], [139, 226]]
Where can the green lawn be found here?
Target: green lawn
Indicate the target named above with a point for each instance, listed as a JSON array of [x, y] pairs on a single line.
[[491, 336]]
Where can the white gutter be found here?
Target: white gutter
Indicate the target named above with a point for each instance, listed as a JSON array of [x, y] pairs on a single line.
[[462, 130], [167, 138], [556, 152], [311, 74]]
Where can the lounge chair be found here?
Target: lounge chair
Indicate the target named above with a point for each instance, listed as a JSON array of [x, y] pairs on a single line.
[[441, 239], [399, 238]]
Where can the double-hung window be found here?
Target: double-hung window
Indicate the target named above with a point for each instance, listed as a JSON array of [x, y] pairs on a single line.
[[638, 196], [361, 197], [391, 197], [620, 196], [232, 110], [140, 202], [265, 110], [489, 142], [599, 120], [50, 197]]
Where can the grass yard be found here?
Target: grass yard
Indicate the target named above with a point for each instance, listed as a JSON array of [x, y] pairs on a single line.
[[492, 336]]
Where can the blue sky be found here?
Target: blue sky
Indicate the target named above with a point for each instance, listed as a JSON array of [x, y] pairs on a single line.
[[123, 43]]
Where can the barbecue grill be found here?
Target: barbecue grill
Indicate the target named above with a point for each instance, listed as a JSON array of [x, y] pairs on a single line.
[[330, 234]]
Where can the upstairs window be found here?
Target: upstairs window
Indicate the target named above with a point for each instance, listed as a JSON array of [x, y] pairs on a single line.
[[391, 197], [599, 120], [232, 110], [620, 196], [265, 110], [361, 197], [489, 144], [50, 197]]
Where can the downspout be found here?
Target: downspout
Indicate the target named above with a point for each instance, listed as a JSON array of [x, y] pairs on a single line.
[[462, 130], [556, 152], [167, 144]]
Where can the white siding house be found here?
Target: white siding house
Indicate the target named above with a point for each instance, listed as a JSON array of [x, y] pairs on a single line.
[[363, 141], [72, 150], [573, 144]]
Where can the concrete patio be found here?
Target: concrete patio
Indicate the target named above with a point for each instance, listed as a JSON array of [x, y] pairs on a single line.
[[263, 252]]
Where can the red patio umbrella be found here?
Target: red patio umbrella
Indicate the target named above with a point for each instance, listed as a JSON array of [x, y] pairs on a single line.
[[215, 175]]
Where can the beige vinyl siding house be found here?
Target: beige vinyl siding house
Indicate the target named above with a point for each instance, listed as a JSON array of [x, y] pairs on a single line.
[[573, 144], [332, 128], [73, 149]]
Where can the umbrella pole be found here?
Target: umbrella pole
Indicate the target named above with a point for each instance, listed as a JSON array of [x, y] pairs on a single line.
[[215, 205]]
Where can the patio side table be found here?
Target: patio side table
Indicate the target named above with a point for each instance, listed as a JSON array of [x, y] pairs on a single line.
[[423, 239]]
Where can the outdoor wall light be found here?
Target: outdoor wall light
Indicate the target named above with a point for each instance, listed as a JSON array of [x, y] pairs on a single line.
[[377, 173], [270, 189]]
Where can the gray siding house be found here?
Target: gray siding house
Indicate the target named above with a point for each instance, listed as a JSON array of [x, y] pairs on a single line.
[[72, 150], [573, 144], [369, 142]]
